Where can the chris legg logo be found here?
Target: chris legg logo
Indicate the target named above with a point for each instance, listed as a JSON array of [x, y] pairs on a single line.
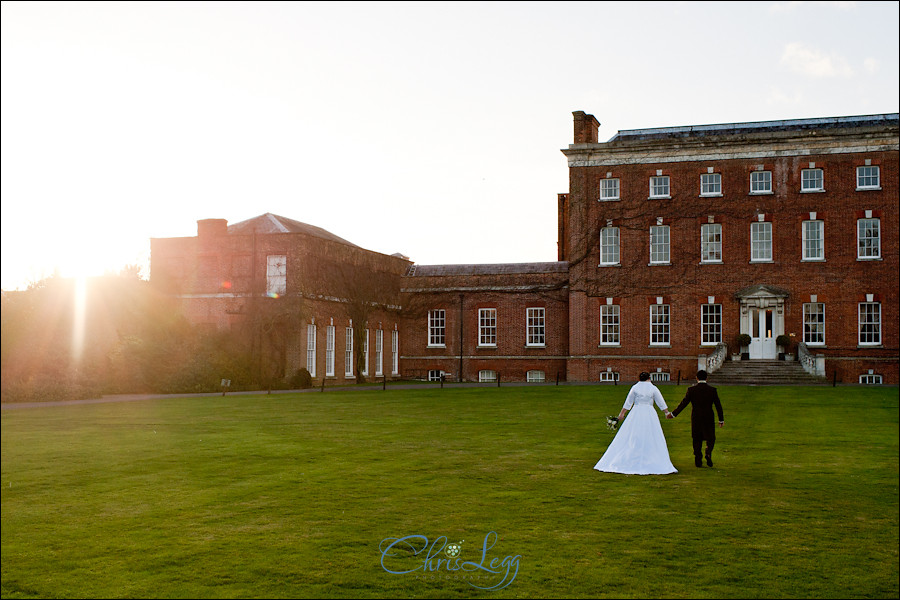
[[414, 554]]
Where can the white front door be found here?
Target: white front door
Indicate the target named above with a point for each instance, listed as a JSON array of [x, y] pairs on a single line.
[[762, 338]]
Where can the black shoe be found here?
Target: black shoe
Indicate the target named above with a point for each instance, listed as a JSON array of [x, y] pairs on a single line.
[[698, 462], [709, 460]]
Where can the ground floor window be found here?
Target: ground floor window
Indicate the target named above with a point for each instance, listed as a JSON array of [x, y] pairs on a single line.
[[609, 376], [535, 376], [487, 376], [870, 379], [659, 376], [435, 375]]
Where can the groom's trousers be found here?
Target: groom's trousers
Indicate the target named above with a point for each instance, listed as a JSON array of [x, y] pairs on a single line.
[[698, 447]]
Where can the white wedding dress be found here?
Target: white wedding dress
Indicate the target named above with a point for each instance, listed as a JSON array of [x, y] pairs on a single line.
[[639, 447]]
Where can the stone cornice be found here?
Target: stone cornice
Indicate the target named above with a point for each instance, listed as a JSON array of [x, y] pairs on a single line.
[[711, 148]]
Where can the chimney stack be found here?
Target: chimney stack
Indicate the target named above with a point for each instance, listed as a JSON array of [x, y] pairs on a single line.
[[211, 227], [585, 128]]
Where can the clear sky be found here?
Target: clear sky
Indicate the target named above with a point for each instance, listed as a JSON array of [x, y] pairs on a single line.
[[430, 129]]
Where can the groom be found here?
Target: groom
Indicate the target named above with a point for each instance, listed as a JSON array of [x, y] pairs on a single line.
[[701, 397]]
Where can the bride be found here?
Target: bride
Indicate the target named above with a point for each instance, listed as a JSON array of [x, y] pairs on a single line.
[[639, 447]]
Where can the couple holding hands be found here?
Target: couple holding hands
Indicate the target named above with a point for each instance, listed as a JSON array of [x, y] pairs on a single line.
[[639, 447]]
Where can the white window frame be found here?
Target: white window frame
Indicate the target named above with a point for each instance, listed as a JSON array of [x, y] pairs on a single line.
[[395, 352], [535, 327], [609, 376], [760, 182], [437, 328], [535, 376], [276, 275], [660, 325], [379, 352], [871, 379], [657, 376], [814, 323], [813, 240], [435, 374], [609, 246], [348, 352], [710, 184], [660, 245], [329, 351], [711, 243], [610, 325], [366, 354], [868, 244], [487, 376], [868, 177], [487, 327], [761, 234], [660, 186], [869, 317], [710, 324], [812, 180], [609, 189], [311, 349]]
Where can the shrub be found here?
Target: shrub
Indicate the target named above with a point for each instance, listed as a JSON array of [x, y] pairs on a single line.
[[301, 380]]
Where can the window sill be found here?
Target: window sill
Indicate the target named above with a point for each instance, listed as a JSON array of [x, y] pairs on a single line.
[[868, 346], [659, 198], [659, 264], [436, 346], [769, 193], [536, 346], [868, 189], [716, 195], [660, 346], [711, 262], [486, 347], [812, 260], [818, 191], [868, 259], [767, 261], [609, 345], [608, 199], [602, 265]]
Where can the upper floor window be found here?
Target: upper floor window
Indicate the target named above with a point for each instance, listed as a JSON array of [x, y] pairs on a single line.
[[812, 180], [437, 327], [711, 243], [659, 244], [659, 325], [659, 186], [761, 241], [711, 184], [868, 238], [710, 324], [814, 323], [609, 246], [813, 240], [276, 274], [487, 326], [609, 325], [870, 323], [609, 189], [534, 324], [761, 182], [868, 178]]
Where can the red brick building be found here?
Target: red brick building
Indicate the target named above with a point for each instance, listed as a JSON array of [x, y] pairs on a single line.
[[672, 241]]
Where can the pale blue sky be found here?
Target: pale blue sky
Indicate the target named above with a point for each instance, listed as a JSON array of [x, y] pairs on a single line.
[[431, 129]]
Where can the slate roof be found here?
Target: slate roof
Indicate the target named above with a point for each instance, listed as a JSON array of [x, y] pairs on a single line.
[[882, 120], [487, 269], [269, 223]]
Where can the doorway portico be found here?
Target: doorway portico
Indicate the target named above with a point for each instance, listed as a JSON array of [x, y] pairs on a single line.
[[762, 317]]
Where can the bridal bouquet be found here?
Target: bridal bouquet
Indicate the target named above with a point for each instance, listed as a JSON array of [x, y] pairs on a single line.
[[612, 423]]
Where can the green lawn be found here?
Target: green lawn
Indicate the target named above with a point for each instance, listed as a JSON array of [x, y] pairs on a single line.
[[292, 496]]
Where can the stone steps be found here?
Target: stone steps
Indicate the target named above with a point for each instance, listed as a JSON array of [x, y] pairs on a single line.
[[763, 372]]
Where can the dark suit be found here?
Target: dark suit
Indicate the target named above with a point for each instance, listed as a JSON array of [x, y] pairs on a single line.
[[702, 397]]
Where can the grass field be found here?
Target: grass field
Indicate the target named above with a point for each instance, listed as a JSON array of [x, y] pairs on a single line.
[[293, 496]]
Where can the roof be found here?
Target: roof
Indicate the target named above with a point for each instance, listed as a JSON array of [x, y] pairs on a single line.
[[487, 269], [882, 120], [269, 223]]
